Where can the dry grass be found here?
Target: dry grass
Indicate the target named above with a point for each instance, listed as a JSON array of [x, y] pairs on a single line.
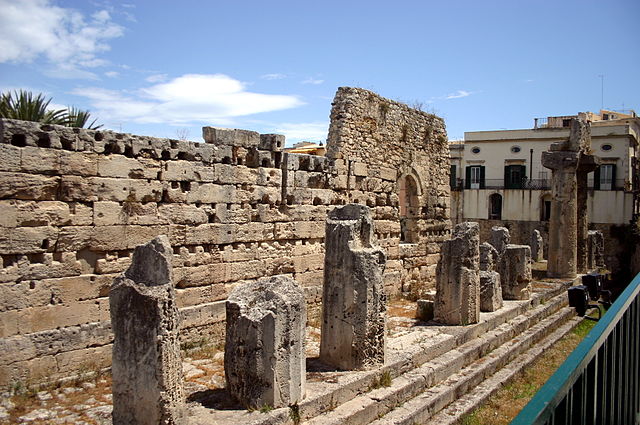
[[71, 402], [505, 405]]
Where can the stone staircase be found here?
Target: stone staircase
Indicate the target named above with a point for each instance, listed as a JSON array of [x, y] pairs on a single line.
[[433, 373]]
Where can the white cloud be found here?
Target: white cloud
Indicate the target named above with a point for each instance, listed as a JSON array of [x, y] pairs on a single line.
[[296, 132], [30, 29], [458, 94], [273, 76], [156, 78], [312, 81], [191, 98], [112, 74]]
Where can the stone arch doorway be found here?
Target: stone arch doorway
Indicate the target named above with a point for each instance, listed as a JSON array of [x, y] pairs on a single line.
[[495, 206], [408, 193]]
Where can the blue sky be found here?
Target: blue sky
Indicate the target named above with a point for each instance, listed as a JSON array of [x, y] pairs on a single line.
[[166, 68]]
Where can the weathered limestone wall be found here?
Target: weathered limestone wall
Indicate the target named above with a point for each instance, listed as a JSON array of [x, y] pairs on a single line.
[[74, 204], [398, 162]]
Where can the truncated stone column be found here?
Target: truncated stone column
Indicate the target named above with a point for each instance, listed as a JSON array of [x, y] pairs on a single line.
[[516, 272], [490, 286], [500, 238], [457, 277], [588, 163], [264, 359], [147, 367], [537, 247], [353, 317]]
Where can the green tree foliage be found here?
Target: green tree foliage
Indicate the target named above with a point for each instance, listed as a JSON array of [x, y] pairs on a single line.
[[24, 105]]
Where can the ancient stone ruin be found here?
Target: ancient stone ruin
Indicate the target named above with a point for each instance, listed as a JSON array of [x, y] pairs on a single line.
[[458, 280], [595, 257], [353, 298], [490, 286], [537, 246], [570, 162], [264, 358], [147, 365], [75, 203], [516, 272]]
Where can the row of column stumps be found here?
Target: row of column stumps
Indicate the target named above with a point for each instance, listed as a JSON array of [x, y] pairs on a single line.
[[265, 363], [472, 278], [265, 360]]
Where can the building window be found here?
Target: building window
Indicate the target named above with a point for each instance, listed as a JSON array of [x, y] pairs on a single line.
[[606, 147], [566, 122], [474, 177], [452, 177], [604, 178], [475, 150], [514, 176], [495, 207], [515, 149]]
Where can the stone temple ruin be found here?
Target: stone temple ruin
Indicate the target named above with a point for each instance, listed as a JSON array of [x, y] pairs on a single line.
[[115, 248]]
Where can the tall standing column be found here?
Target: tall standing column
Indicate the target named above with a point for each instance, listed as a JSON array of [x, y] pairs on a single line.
[[563, 235]]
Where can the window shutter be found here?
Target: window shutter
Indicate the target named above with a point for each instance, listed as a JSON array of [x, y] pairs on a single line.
[[452, 177], [482, 185], [507, 183], [613, 177], [596, 179], [467, 178]]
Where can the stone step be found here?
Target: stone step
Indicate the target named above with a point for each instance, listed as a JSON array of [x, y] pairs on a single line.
[[478, 353], [422, 408], [406, 351], [466, 404]]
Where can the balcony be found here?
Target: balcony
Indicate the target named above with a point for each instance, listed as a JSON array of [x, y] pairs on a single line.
[[533, 184]]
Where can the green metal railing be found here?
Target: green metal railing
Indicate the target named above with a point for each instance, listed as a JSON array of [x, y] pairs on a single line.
[[599, 383]]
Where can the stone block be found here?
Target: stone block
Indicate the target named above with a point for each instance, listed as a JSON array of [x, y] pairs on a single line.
[[515, 272], [424, 310], [78, 163], [457, 277], [10, 158], [264, 357], [490, 291], [147, 365], [272, 142], [354, 301], [28, 186], [231, 137], [537, 246]]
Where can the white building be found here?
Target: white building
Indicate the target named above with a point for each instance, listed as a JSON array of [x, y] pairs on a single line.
[[498, 175]]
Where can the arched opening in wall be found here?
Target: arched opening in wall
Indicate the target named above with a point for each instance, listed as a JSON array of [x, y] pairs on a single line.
[[495, 207], [409, 209], [545, 207]]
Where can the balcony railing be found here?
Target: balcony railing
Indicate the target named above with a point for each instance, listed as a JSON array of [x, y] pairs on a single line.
[[533, 184], [599, 383]]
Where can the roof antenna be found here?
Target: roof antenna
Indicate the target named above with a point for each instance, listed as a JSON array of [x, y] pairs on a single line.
[[601, 91]]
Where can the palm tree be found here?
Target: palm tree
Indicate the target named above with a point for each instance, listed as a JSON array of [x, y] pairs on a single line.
[[23, 105], [79, 118]]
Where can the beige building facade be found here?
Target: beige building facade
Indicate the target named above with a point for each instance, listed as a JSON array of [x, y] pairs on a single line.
[[498, 175]]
